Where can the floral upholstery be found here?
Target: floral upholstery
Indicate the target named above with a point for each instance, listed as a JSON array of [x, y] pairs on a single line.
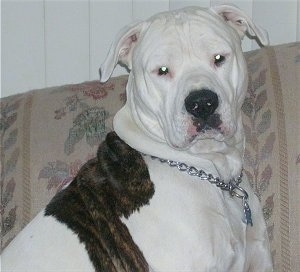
[[46, 135]]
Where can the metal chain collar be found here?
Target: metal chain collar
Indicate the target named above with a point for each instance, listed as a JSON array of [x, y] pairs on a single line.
[[233, 186]]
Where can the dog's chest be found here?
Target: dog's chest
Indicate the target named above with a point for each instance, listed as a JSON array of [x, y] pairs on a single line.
[[187, 223]]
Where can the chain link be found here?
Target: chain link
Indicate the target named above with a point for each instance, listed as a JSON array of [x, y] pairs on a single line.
[[233, 186]]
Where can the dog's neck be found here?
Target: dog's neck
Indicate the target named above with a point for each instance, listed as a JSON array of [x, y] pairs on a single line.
[[222, 163]]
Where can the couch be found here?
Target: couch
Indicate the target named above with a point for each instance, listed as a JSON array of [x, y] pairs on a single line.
[[46, 135]]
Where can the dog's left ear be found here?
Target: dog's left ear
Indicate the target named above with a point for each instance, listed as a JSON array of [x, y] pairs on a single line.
[[241, 22], [121, 50]]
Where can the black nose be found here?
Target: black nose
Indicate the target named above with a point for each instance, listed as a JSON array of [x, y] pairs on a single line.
[[201, 103]]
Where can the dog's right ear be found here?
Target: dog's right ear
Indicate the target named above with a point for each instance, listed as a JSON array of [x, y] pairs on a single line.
[[121, 50], [241, 22]]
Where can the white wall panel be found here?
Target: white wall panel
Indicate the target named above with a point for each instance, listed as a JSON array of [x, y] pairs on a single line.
[[22, 50], [67, 41], [47, 42], [106, 19], [143, 9], [279, 18], [176, 4], [298, 21]]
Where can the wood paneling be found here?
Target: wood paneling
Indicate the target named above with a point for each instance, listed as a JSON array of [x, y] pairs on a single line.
[[279, 18], [22, 46], [66, 41], [46, 42], [106, 19], [143, 9]]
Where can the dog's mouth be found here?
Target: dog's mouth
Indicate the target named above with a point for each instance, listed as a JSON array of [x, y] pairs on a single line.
[[201, 128], [211, 128], [212, 123], [193, 129]]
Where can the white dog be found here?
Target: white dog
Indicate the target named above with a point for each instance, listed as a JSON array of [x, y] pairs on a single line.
[[185, 90]]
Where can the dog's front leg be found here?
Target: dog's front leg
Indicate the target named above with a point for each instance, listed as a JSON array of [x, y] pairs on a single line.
[[258, 248]]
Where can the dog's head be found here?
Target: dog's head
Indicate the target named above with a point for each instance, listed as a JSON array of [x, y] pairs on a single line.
[[188, 75]]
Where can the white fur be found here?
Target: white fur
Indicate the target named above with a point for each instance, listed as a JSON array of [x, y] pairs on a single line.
[[190, 225], [45, 245], [193, 226], [186, 42]]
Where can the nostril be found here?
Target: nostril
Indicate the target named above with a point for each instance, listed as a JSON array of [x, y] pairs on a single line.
[[201, 103]]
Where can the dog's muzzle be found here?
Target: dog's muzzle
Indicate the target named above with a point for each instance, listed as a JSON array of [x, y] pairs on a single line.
[[202, 105]]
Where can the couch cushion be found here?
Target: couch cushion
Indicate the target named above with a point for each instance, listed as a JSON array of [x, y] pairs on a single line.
[[46, 135]]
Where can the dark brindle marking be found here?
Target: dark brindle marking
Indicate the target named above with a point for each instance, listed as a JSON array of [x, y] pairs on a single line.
[[114, 184]]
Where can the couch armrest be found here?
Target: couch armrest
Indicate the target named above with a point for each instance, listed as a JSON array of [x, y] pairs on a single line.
[[272, 156]]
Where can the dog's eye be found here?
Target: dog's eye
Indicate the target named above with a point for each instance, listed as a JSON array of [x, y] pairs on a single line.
[[163, 70], [219, 60]]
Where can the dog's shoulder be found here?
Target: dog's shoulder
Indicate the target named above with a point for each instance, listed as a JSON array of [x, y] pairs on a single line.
[[126, 172], [113, 184]]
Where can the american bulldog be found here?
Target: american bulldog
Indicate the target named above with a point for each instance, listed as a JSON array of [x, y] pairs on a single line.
[[166, 190]]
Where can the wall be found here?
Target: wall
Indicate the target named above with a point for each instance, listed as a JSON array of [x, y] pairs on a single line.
[[47, 43]]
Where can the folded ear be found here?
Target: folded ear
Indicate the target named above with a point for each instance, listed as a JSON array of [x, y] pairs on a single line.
[[241, 22], [121, 50]]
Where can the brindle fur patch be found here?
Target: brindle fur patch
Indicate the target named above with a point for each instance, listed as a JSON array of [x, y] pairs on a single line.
[[115, 183]]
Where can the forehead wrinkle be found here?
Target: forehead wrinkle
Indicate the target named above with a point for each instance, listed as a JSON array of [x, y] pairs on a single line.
[[181, 39], [168, 47], [178, 23], [178, 37]]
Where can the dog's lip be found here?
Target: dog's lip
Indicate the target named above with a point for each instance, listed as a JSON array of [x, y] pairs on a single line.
[[192, 139], [205, 128], [196, 132], [207, 134]]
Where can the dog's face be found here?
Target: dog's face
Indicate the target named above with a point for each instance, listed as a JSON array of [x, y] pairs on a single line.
[[190, 83], [188, 75]]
